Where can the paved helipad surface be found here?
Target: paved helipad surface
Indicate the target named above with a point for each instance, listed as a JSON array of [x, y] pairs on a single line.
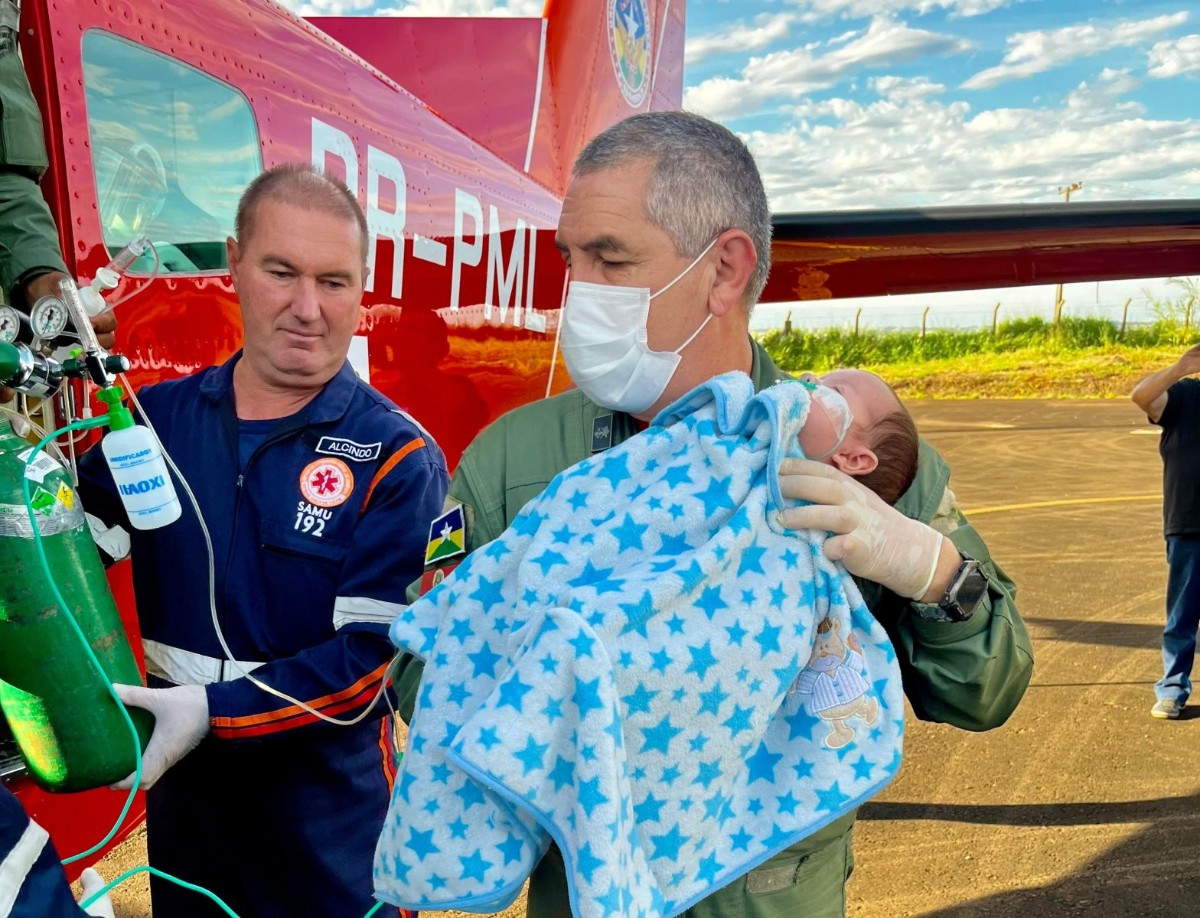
[[1081, 805]]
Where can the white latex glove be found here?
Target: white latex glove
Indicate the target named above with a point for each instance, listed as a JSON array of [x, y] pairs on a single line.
[[180, 722], [92, 883], [871, 538]]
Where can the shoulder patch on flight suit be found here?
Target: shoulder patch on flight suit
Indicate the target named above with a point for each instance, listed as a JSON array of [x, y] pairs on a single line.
[[447, 541], [947, 517], [447, 535], [602, 433], [432, 576]]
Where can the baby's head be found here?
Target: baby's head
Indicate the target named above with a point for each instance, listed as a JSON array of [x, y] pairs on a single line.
[[880, 448]]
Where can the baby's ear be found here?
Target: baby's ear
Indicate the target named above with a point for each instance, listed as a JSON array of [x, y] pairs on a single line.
[[855, 461]]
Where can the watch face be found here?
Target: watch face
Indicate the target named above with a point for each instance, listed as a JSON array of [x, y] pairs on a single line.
[[971, 589]]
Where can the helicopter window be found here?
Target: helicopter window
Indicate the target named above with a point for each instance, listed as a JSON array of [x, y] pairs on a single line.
[[172, 149]]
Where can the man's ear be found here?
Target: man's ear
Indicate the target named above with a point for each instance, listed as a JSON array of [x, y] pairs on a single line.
[[855, 461], [736, 260], [232, 258]]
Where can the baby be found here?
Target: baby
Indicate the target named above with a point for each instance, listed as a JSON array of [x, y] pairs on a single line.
[[879, 444]]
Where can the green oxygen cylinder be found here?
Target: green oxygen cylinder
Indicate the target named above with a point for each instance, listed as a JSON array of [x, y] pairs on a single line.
[[69, 729]]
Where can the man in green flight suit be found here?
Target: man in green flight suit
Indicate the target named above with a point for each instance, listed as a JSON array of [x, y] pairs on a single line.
[[31, 264], [666, 231]]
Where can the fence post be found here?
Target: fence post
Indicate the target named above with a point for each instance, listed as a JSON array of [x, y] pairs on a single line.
[[1125, 317], [787, 323], [1058, 307], [924, 316], [995, 315], [856, 318]]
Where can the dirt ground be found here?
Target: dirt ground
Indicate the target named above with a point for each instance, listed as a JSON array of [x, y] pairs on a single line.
[[1081, 805]]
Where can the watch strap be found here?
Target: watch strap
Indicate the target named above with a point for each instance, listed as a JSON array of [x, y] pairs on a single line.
[[948, 609], [931, 612]]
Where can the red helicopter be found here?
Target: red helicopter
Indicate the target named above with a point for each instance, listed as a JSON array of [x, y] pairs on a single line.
[[458, 136]]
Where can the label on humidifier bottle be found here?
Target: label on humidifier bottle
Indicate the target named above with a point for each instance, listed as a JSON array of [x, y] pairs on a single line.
[[141, 477]]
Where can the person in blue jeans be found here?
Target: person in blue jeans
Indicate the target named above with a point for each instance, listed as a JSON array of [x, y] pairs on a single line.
[[1171, 399]]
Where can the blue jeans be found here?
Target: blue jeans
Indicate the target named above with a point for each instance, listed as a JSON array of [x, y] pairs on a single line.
[[1183, 618]]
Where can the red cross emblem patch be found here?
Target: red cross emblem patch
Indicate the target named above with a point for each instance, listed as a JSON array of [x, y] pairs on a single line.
[[326, 482]]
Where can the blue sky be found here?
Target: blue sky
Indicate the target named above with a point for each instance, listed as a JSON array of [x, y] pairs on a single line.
[[860, 103], [894, 103], [877, 103]]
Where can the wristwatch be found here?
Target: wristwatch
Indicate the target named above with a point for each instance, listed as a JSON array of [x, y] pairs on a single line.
[[967, 588]]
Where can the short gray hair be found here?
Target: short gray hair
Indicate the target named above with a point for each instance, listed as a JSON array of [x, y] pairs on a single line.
[[704, 182], [303, 186]]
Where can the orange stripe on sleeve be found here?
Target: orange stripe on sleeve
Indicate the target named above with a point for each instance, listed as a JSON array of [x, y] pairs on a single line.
[[298, 717], [385, 746], [394, 460], [331, 700]]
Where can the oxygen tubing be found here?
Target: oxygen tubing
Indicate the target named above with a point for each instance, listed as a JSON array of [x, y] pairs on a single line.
[[91, 423]]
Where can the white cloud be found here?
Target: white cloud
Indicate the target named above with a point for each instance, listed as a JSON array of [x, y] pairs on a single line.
[[532, 8], [1118, 82], [1036, 52], [911, 147], [817, 10], [795, 73], [327, 7], [417, 7], [767, 28], [905, 90], [1173, 58]]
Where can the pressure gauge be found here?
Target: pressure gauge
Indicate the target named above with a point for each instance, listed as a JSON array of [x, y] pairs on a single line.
[[10, 324], [48, 317]]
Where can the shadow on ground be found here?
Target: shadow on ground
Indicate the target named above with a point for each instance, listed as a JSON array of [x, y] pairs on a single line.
[[1109, 634], [1132, 880], [1037, 814]]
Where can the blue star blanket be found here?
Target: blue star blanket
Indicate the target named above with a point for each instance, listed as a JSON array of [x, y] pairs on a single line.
[[647, 669]]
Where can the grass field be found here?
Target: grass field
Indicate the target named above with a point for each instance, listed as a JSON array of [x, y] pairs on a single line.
[[1029, 358]]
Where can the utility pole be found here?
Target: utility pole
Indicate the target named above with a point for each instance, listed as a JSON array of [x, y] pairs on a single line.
[[1058, 293]]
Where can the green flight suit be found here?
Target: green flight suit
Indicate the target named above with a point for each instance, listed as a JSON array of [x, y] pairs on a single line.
[[969, 674], [28, 239]]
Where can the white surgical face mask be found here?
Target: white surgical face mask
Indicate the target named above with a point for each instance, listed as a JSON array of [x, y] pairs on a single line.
[[604, 343], [828, 422]]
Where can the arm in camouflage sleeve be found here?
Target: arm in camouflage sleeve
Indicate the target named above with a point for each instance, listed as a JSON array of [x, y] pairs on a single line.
[[969, 674], [28, 238], [481, 528]]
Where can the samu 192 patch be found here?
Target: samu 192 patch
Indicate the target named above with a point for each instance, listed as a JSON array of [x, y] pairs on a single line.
[[326, 482], [447, 536]]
